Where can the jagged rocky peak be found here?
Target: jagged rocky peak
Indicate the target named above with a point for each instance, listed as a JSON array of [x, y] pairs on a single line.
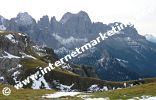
[[45, 18], [128, 29], [67, 16], [118, 24], [1, 19], [2, 23], [24, 19], [53, 19], [44, 21], [84, 15]]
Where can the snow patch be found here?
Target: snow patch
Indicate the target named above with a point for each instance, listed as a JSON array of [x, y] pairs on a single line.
[[61, 94], [101, 60], [81, 95], [21, 34], [144, 98], [1, 78], [95, 88], [97, 99], [11, 38], [12, 69], [8, 55], [37, 84], [121, 60], [15, 75], [26, 56], [38, 48], [63, 88]]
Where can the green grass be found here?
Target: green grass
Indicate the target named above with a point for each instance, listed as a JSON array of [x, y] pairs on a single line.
[[65, 71], [150, 80], [24, 94], [137, 91], [145, 80], [5, 32], [32, 63]]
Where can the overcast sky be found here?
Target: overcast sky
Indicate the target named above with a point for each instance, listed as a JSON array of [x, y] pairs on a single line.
[[141, 13]]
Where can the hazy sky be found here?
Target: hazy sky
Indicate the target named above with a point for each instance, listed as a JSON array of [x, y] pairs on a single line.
[[141, 13]]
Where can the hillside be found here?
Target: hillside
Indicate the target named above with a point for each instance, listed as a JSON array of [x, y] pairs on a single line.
[[20, 57], [148, 89]]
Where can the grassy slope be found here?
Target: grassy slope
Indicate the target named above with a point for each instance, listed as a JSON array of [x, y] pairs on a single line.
[[137, 91], [124, 94], [23, 94]]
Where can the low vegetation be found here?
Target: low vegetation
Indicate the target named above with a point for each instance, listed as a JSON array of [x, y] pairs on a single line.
[[127, 93], [23, 94], [32, 63]]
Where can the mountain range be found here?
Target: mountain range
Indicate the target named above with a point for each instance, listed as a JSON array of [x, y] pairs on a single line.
[[122, 57]]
